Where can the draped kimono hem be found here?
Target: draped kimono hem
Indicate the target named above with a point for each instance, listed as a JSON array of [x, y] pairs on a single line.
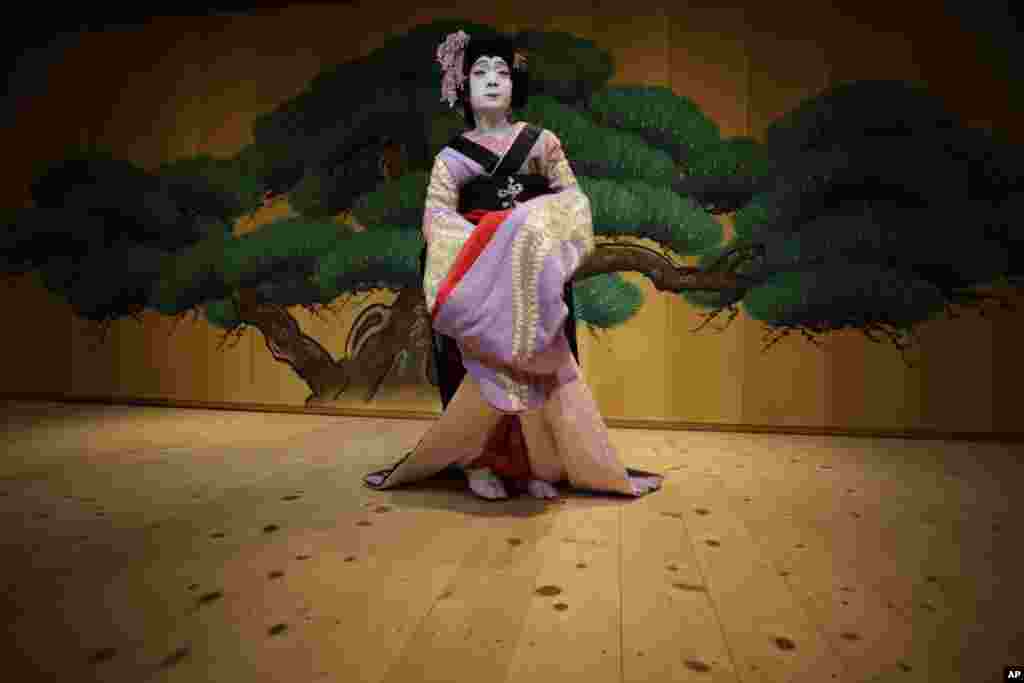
[[567, 433]]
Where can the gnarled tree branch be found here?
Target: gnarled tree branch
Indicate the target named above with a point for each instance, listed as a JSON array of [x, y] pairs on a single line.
[[666, 276]]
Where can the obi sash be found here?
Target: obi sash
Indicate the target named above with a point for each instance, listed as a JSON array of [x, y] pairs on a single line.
[[500, 187]]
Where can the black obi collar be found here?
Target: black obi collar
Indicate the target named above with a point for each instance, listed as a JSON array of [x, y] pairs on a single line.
[[500, 187], [491, 162]]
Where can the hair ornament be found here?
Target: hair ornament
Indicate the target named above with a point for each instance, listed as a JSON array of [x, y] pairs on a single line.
[[450, 55]]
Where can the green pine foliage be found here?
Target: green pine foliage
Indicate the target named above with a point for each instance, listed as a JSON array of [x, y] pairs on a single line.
[[622, 154], [721, 298], [98, 298], [221, 313], [874, 213], [733, 156], [441, 128], [852, 109], [657, 114], [28, 236], [761, 212], [276, 246], [565, 66], [192, 275], [842, 295], [311, 196], [637, 209], [397, 202], [386, 257], [914, 240], [607, 300], [711, 299], [225, 188]]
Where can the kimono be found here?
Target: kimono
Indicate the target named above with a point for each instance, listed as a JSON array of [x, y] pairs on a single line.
[[506, 227]]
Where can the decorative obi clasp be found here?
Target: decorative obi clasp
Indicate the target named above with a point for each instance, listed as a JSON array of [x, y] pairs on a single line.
[[509, 193]]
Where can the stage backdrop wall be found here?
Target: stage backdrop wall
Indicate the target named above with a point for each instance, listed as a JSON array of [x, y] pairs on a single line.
[[184, 86]]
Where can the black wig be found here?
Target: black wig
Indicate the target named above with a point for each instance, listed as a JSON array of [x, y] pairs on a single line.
[[492, 47]]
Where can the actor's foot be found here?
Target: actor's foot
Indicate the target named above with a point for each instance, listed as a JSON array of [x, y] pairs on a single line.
[[541, 489], [486, 484], [643, 485], [375, 479]]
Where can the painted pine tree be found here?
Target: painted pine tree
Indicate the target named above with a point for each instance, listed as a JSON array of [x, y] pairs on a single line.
[[850, 215]]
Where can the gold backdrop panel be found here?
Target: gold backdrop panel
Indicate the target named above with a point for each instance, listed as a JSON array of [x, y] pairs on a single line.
[[196, 85]]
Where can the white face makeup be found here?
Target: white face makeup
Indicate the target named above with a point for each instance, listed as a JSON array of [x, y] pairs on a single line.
[[490, 85]]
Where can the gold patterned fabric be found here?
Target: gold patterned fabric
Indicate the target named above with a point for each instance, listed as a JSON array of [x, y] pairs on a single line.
[[558, 219], [553, 162], [443, 228]]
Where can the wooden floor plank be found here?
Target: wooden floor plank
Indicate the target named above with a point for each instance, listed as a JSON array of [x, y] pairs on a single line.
[[671, 629], [473, 627], [770, 634], [571, 630]]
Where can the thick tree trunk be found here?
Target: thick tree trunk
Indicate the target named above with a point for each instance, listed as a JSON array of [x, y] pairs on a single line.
[[327, 378], [289, 344]]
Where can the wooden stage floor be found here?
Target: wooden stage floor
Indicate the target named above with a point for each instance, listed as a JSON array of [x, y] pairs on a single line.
[[153, 544]]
